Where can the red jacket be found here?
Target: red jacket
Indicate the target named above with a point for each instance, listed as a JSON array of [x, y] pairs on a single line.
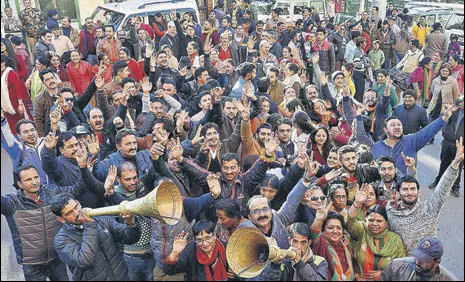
[[79, 77], [134, 70]]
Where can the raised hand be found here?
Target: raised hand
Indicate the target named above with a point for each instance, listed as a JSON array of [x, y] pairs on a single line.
[[124, 97], [55, 116], [214, 185], [360, 197], [409, 162], [448, 110], [197, 138], [177, 151], [251, 43], [51, 140], [333, 174], [459, 155], [311, 170], [302, 158], [111, 177], [271, 146], [315, 58], [361, 110], [180, 242], [101, 69], [345, 90], [99, 82], [146, 85], [323, 79], [81, 155], [207, 46], [148, 50], [321, 213], [156, 151], [173, 14], [93, 145]]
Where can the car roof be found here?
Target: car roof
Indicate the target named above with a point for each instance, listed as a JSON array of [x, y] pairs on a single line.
[[141, 6], [429, 11]]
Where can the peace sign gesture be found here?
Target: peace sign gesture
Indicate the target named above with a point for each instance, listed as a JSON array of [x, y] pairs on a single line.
[[51, 140]]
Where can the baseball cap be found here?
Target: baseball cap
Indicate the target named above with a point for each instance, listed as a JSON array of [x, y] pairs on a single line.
[[428, 249], [81, 130]]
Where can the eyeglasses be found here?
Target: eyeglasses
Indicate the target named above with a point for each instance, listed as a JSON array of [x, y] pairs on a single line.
[[258, 211], [204, 240], [316, 198]]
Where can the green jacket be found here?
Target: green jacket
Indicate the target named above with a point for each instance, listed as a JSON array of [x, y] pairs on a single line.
[[362, 239]]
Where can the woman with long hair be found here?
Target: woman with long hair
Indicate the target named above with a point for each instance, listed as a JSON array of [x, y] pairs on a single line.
[[15, 98], [292, 76], [19, 66], [108, 74], [58, 68], [288, 95], [421, 80], [320, 144], [301, 128]]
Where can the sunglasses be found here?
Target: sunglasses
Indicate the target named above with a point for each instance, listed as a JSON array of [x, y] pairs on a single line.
[[316, 198], [69, 99]]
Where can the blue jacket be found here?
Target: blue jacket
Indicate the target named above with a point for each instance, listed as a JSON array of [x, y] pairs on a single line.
[[142, 162], [94, 252], [21, 153], [61, 171], [409, 144], [412, 119], [236, 91]]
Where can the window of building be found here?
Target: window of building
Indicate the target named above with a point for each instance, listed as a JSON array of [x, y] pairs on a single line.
[[64, 7]]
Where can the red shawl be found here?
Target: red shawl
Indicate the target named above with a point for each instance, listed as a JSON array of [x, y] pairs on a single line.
[[217, 262]]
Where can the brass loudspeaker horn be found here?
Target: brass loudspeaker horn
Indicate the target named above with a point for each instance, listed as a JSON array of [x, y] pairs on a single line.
[[163, 203], [248, 252]]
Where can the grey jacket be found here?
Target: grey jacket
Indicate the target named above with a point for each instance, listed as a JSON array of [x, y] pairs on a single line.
[[94, 251], [435, 42], [421, 220], [403, 269]]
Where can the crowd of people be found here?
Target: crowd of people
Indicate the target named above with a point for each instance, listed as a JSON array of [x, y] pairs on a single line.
[[306, 130]]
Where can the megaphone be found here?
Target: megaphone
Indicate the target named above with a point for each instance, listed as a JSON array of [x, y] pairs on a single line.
[[248, 252], [163, 203]]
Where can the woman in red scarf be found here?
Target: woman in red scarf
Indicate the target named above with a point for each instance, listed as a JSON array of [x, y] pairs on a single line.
[[202, 260], [421, 79], [15, 98], [333, 245], [321, 144]]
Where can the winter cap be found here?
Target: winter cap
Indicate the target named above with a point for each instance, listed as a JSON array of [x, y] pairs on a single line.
[[428, 249]]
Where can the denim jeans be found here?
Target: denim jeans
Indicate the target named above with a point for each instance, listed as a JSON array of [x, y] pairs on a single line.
[[92, 59], [139, 268], [54, 270]]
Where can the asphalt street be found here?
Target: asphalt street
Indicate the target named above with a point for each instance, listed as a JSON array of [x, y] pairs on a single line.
[[451, 221]]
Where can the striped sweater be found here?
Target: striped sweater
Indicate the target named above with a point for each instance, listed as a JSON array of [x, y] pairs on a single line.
[[422, 219]]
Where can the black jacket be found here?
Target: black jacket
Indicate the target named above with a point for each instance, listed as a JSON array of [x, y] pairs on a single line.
[[452, 132]]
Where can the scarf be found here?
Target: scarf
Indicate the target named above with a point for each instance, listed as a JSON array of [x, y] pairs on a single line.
[[6, 102], [373, 117], [217, 262], [209, 33], [374, 257], [427, 78], [326, 250]]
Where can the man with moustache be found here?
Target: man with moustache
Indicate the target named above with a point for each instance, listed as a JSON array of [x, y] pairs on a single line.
[[234, 185], [396, 142], [376, 111], [32, 224], [423, 266], [273, 223], [24, 149], [109, 45], [158, 66], [44, 101], [126, 145], [413, 219]]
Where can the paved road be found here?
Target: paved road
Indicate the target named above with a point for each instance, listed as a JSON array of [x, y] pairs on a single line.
[[451, 222]]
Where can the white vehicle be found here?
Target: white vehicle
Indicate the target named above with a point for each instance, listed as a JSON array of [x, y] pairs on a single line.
[[455, 26], [292, 10], [119, 14]]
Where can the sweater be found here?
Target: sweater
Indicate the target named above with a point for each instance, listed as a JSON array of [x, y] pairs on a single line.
[[421, 220]]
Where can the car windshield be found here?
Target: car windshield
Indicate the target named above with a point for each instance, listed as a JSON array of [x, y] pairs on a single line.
[[262, 8], [455, 22], [107, 17], [284, 8]]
